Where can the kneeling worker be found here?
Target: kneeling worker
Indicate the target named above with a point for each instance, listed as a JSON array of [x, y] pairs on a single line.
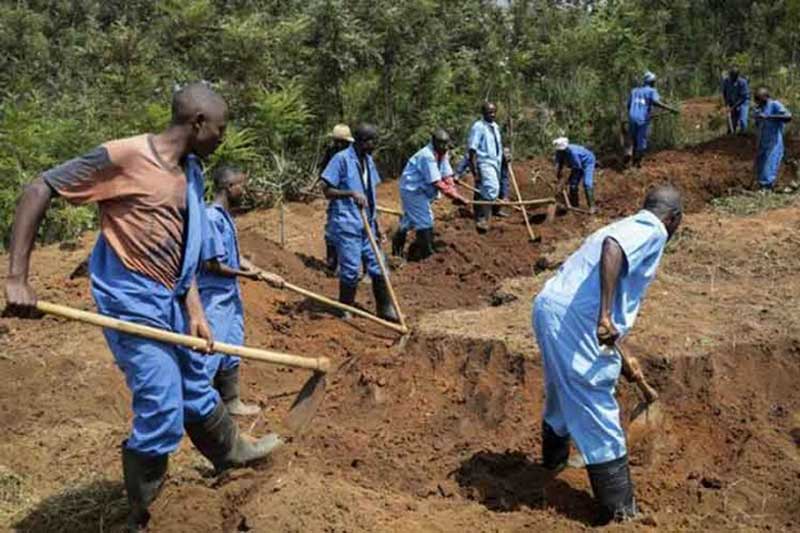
[[426, 174], [593, 300]]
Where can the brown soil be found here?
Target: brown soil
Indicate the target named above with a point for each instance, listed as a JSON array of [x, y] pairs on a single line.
[[439, 432]]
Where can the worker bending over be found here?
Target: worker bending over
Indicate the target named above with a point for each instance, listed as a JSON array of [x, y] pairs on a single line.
[[592, 300], [581, 162], [426, 174], [736, 94], [771, 117]]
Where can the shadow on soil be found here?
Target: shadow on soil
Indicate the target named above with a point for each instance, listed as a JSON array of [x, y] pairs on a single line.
[[96, 506], [504, 482]]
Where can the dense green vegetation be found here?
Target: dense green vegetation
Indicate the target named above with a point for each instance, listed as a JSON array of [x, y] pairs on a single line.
[[76, 72]]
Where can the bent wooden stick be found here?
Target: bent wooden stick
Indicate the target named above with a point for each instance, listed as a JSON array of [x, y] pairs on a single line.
[[522, 207], [473, 189], [571, 207], [379, 256], [320, 364], [339, 305], [389, 211]]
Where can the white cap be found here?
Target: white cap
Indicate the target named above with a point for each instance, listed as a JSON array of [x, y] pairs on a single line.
[[649, 77], [561, 143], [341, 132]]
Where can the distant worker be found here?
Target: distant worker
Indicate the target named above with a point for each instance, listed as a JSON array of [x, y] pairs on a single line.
[[153, 237], [771, 117], [736, 94], [593, 300], [219, 288], [350, 180], [427, 173], [581, 162], [640, 103], [341, 139], [485, 152]]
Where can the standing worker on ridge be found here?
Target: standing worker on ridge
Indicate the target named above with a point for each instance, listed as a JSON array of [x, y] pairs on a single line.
[[593, 300], [426, 174], [341, 139], [640, 103], [581, 161], [485, 151], [736, 94], [219, 288], [350, 180], [154, 234], [771, 116]]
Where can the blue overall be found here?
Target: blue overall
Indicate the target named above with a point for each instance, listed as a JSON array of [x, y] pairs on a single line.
[[463, 167], [737, 97], [221, 296], [169, 384], [640, 104], [770, 143], [418, 190], [485, 140], [579, 379], [581, 161], [347, 229]]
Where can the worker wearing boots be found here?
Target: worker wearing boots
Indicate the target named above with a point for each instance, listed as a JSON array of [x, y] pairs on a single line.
[[593, 300], [426, 174], [640, 106], [485, 151], [341, 139], [154, 233], [581, 162], [349, 181], [219, 288]]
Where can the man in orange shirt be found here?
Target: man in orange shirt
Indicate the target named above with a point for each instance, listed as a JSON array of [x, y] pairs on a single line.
[[149, 189]]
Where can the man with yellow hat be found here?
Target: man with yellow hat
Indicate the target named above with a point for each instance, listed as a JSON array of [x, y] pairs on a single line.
[[341, 139]]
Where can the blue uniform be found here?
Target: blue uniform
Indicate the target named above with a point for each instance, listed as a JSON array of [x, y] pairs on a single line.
[[579, 379], [344, 172], [737, 96], [221, 296], [485, 140], [169, 384], [770, 143], [640, 104], [417, 189], [463, 167], [581, 161]]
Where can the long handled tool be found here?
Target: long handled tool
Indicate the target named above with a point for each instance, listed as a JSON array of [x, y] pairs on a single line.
[[730, 119], [538, 201], [304, 406], [474, 190], [389, 211], [570, 207], [379, 256], [522, 207], [337, 305]]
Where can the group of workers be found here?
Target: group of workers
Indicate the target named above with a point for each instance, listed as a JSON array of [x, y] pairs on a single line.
[[165, 260]]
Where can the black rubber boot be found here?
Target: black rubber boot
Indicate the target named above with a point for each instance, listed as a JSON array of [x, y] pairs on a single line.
[[498, 210], [219, 439], [144, 477], [574, 197], [590, 199], [227, 384], [331, 257], [482, 214], [555, 449], [613, 489], [383, 303], [347, 296], [424, 243], [399, 242]]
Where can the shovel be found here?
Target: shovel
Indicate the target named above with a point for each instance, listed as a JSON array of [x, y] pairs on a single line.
[[305, 405], [570, 207]]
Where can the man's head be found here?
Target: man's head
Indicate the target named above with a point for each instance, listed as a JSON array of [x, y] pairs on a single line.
[[561, 144], [761, 95], [441, 141], [232, 180], [365, 136], [649, 78], [733, 74], [341, 136], [664, 201], [203, 113], [489, 111]]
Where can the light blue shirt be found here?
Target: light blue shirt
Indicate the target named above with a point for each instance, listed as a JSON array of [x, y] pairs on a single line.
[[771, 131], [640, 103], [576, 286], [485, 139], [344, 173], [575, 157], [423, 170]]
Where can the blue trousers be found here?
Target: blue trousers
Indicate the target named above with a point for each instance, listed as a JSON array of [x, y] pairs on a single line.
[[225, 315], [578, 403], [739, 117], [417, 212], [639, 134], [354, 251], [768, 163], [489, 185], [582, 175]]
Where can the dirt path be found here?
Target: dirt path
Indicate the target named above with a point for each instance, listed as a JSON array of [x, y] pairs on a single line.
[[440, 433]]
